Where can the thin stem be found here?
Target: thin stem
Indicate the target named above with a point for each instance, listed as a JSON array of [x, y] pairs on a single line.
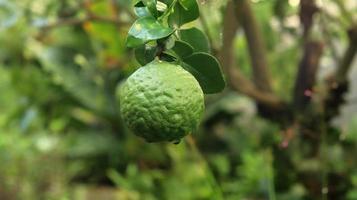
[[235, 78], [348, 57], [323, 156], [192, 144], [168, 11], [256, 44], [328, 36], [341, 5], [207, 30], [271, 189]]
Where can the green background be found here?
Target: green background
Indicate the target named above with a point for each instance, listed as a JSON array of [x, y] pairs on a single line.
[[61, 136]]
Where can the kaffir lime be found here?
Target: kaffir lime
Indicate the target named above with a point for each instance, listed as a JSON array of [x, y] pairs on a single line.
[[161, 102]]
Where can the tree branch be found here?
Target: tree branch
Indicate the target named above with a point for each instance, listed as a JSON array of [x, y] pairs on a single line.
[[307, 74], [345, 14], [235, 79], [206, 29], [338, 85], [312, 52], [308, 9], [261, 75], [350, 53]]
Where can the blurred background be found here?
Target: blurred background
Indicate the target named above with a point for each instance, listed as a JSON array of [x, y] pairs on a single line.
[[284, 128]]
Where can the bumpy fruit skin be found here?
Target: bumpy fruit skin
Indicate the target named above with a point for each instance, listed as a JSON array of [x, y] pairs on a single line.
[[161, 102]]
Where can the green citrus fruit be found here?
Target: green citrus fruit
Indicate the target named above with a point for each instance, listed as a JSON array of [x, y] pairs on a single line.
[[161, 102]]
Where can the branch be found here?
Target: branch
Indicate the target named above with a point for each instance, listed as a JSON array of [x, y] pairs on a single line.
[[235, 79], [328, 36], [261, 75], [206, 29], [350, 53], [345, 14], [307, 74], [308, 9], [309, 63], [338, 85]]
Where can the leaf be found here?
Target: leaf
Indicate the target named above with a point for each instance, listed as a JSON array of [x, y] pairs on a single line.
[[141, 10], [185, 11], [206, 69], [66, 74], [168, 56], [145, 54], [151, 5], [132, 41], [161, 7], [169, 42], [167, 2], [182, 49], [146, 29], [187, 4], [196, 38]]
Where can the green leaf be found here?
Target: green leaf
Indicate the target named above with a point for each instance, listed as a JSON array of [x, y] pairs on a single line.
[[141, 10], [168, 56], [169, 42], [145, 54], [66, 74], [132, 41], [151, 5], [161, 7], [139, 3], [196, 38], [187, 4], [146, 29], [185, 11], [182, 49], [206, 69], [167, 2]]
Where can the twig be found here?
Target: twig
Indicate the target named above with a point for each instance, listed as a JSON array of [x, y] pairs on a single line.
[[205, 27], [349, 55], [245, 86], [344, 11], [261, 75], [235, 79], [328, 38], [338, 85]]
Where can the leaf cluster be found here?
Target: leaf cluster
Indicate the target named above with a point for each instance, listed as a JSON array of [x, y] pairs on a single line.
[[158, 33]]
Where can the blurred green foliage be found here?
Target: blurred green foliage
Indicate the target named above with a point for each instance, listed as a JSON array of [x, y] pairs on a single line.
[[61, 136]]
